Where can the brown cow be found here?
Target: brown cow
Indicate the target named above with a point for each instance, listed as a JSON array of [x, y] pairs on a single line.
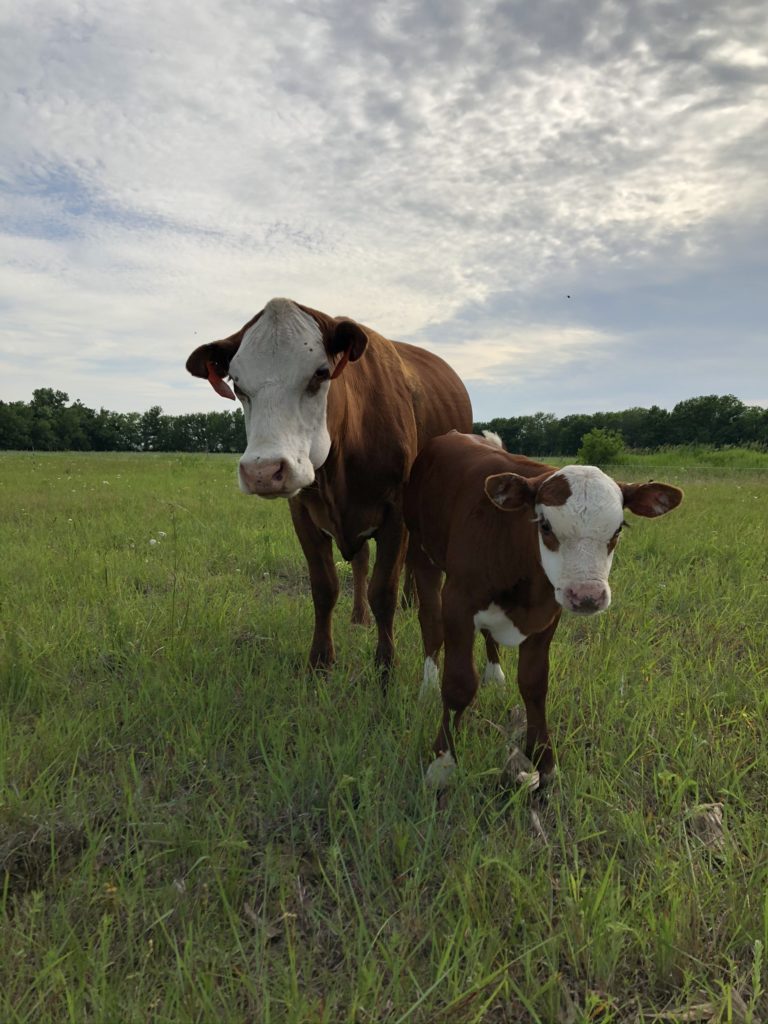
[[335, 415], [518, 541]]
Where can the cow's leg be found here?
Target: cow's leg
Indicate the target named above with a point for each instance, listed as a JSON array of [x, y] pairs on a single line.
[[409, 597], [382, 590], [427, 579], [533, 678], [318, 551], [460, 682], [493, 672], [360, 616]]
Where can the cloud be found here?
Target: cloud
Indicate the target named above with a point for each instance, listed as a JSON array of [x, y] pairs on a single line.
[[445, 172]]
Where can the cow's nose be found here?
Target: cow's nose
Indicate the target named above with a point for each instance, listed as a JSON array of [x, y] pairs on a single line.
[[263, 477]]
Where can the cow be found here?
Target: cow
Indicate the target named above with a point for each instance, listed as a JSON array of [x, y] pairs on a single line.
[[518, 541], [335, 414]]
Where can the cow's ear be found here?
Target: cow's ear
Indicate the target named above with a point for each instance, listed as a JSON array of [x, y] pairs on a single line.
[[509, 491], [651, 499], [212, 363], [219, 353], [348, 339]]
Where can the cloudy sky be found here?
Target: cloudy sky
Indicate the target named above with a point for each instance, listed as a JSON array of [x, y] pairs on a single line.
[[567, 199]]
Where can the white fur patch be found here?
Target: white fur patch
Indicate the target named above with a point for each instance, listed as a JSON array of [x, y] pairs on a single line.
[[584, 527], [499, 625], [285, 419], [493, 674], [441, 770], [430, 682], [489, 435]]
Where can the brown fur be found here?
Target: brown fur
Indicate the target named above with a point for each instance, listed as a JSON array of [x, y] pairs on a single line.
[[489, 555], [469, 508], [387, 401]]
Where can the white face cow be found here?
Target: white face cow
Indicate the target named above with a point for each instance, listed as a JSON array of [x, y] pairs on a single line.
[[281, 365], [580, 515], [281, 374]]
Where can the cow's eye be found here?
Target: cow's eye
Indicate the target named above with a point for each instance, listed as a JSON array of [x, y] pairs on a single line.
[[545, 527], [320, 376]]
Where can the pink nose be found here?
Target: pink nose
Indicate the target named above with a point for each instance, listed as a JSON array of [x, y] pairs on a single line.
[[587, 598], [263, 477]]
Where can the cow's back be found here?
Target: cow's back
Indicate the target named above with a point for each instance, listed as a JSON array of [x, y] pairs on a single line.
[[440, 400], [385, 406]]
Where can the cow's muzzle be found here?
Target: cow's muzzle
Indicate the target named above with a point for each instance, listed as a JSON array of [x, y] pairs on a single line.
[[267, 479]]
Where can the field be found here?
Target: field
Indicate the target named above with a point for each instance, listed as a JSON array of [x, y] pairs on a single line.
[[192, 828]]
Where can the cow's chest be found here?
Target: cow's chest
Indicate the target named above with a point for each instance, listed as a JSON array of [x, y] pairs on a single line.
[[350, 525]]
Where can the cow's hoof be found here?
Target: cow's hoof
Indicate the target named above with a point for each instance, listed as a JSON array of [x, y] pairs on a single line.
[[493, 674], [441, 771], [430, 683]]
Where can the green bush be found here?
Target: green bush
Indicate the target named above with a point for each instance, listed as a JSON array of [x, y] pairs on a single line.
[[600, 447]]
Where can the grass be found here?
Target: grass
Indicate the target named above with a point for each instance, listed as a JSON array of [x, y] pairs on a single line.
[[194, 829]]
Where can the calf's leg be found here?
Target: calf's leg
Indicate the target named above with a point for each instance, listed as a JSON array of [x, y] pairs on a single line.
[[427, 579], [493, 672], [533, 679], [460, 680], [318, 551]]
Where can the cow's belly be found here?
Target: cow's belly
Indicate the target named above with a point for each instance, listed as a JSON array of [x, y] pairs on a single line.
[[499, 625]]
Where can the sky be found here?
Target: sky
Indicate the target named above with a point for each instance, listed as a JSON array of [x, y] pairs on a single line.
[[566, 199]]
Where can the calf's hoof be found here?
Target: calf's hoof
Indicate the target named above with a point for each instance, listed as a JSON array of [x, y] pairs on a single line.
[[493, 674], [522, 771]]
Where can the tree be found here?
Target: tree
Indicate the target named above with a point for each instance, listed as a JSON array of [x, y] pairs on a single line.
[[708, 419], [600, 447]]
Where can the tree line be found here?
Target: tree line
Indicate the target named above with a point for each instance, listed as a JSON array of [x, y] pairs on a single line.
[[712, 420], [50, 423]]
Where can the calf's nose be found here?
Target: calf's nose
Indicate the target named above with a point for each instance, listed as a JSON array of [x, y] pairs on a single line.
[[587, 599]]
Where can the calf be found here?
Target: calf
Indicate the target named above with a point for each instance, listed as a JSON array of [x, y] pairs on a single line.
[[518, 541], [335, 415]]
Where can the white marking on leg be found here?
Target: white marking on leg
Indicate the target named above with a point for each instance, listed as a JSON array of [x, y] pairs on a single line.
[[440, 771], [499, 625], [493, 674], [431, 681]]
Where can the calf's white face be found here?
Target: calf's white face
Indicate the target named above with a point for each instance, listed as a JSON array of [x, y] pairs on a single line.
[[579, 512], [577, 538], [281, 375]]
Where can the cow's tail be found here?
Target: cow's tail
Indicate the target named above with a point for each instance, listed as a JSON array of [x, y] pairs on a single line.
[[492, 438]]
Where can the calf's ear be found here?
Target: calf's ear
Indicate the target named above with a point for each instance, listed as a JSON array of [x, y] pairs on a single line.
[[509, 491], [651, 499]]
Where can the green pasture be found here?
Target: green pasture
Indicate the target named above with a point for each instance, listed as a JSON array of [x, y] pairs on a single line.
[[192, 828]]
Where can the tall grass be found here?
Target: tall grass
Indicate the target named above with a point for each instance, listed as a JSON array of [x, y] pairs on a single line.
[[192, 828]]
